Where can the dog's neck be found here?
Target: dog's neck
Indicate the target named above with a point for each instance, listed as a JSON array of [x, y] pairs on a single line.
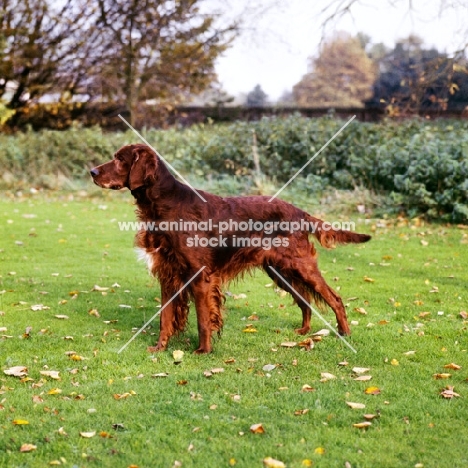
[[158, 197]]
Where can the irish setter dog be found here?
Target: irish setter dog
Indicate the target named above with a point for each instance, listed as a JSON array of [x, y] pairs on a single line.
[[222, 237]]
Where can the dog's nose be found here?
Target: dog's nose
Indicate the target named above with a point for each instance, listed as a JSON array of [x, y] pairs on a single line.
[[94, 172]]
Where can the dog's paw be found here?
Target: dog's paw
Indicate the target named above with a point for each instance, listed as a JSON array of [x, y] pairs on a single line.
[[202, 351], [155, 349]]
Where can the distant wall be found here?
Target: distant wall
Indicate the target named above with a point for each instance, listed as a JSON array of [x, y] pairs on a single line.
[[106, 115]]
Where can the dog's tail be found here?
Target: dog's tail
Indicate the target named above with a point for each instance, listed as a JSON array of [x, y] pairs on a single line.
[[329, 237]]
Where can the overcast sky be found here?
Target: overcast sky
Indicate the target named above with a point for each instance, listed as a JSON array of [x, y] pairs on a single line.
[[275, 54]]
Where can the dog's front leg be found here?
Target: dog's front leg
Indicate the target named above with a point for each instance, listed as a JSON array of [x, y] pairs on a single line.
[[208, 299], [166, 322]]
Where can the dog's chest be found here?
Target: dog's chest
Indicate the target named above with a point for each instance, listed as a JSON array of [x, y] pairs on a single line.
[[149, 256]]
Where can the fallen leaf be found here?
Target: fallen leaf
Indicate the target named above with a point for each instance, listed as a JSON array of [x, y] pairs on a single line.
[[369, 417], [16, 371], [327, 376], [54, 391], [372, 391], [88, 435], [307, 388], [301, 412], [360, 370], [273, 463], [355, 405], [37, 399], [249, 329], [322, 332], [307, 344], [409, 353], [369, 280], [269, 367], [230, 361], [452, 366], [288, 344], [464, 315], [178, 355], [217, 370], [20, 422], [98, 288], [394, 362], [257, 429], [94, 312], [449, 393], [37, 307], [28, 447], [360, 310], [441, 376], [61, 317], [363, 425], [363, 378], [52, 374], [319, 451]]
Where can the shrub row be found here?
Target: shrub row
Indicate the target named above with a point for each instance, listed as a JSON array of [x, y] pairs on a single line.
[[420, 166]]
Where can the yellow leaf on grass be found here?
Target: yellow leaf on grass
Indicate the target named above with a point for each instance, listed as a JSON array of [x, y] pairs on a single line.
[[372, 391], [441, 376], [249, 329], [307, 462], [20, 422], [178, 355], [394, 362], [368, 280], [319, 451], [307, 388], [360, 310], [54, 391], [273, 463], [452, 366], [52, 374], [28, 448], [363, 425]]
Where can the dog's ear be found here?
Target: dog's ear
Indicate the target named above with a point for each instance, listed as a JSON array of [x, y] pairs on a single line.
[[143, 167]]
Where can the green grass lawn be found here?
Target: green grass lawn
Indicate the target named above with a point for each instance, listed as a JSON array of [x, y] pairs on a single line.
[[55, 251]]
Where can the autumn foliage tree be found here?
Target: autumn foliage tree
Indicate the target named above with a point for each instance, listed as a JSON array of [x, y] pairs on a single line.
[[45, 48], [341, 75], [157, 50]]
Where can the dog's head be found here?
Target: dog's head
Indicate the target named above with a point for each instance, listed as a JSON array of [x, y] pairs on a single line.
[[133, 166]]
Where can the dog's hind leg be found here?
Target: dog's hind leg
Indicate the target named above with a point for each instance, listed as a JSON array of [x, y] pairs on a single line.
[[314, 281], [301, 295]]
